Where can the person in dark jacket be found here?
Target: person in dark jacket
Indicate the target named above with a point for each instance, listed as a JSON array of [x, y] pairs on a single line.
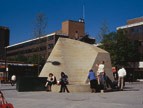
[[64, 82]]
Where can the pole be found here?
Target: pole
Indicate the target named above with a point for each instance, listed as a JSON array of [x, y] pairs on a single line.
[[6, 72]]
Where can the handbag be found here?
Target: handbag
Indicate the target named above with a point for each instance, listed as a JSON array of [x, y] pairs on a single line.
[[46, 85], [5, 104]]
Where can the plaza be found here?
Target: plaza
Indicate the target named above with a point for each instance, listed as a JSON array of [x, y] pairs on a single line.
[[131, 97]]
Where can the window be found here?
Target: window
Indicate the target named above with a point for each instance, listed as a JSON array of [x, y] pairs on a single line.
[[50, 38], [50, 46]]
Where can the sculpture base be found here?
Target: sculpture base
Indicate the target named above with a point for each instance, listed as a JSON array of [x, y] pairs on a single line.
[[73, 88]]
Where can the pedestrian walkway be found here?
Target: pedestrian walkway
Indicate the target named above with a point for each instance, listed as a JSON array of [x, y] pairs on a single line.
[[131, 97]]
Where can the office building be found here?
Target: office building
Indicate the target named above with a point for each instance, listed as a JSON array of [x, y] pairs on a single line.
[[134, 32], [4, 41], [43, 45]]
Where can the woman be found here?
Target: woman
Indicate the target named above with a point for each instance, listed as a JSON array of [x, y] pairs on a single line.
[[93, 82], [51, 81], [63, 82], [101, 75]]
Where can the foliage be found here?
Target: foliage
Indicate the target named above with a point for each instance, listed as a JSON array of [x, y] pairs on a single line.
[[18, 58], [121, 49], [104, 29], [34, 59]]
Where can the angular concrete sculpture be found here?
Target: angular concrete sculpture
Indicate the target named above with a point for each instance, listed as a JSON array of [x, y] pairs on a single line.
[[75, 58]]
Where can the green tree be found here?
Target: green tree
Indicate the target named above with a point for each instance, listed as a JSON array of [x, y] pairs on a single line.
[[121, 49], [19, 58], [126, 49], [109, 44], [34, 58]]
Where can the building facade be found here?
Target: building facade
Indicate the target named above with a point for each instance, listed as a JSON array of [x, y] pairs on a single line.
[[43, 45], [134, 32], [4, 41], [73, 29]]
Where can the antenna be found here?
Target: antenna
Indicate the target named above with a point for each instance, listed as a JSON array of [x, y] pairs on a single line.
[[83, 15], [83, 12]]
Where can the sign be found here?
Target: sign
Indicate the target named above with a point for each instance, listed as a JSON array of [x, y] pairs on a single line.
[[141, 64]]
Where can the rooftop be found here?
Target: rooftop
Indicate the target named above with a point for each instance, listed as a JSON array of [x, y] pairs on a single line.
[[129, 25], [31, 40]]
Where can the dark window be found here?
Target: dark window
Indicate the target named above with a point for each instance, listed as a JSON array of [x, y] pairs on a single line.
[[50, 46], [50, 38], [42, 48]]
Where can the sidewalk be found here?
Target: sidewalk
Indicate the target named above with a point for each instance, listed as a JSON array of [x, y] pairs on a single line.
[[131, 97]]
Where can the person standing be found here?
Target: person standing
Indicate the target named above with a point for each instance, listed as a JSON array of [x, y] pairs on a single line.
[[101, 76], [115, 74], [121, 74], [64, 82], [13, 80], [93, 82]]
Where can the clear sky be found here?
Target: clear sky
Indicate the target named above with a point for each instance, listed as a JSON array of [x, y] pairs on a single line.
[[19, 15]]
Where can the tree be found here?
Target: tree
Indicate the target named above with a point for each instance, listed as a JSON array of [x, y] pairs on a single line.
[[34, 58], [127, 51], [39, 30], [121, 49], [103, 31], [19, 58], [109, 44], [40, 25]]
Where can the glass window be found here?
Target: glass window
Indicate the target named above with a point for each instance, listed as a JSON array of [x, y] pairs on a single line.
[[50, 46], [50, 38]]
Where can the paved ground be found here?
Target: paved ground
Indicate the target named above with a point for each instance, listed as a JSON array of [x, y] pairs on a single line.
[[132, 97]]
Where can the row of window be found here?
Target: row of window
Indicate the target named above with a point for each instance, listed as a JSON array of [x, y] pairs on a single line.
[[32, 50], [26, 51], [34, 42], [137, 29]]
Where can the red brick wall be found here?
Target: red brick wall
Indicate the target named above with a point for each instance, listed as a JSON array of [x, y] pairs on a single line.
[[135, 20], [73, 29]]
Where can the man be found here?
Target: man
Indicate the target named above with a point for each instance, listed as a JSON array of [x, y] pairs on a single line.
[[115, 74], [121, 74]]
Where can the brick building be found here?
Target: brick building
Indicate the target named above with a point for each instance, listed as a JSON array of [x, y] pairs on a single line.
[[4, 41], [73, 29]]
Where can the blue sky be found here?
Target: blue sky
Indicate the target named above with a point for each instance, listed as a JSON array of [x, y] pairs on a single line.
[[19, 15]]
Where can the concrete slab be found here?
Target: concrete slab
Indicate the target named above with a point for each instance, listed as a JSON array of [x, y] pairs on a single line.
[[132, 97], [76, 59]]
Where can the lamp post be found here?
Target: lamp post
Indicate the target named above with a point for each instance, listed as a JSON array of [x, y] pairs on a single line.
[[6, 68]]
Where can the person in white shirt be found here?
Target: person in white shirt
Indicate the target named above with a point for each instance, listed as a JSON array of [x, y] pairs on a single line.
[[13, 80], [101, 75], [121, 74], [51, 81]]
